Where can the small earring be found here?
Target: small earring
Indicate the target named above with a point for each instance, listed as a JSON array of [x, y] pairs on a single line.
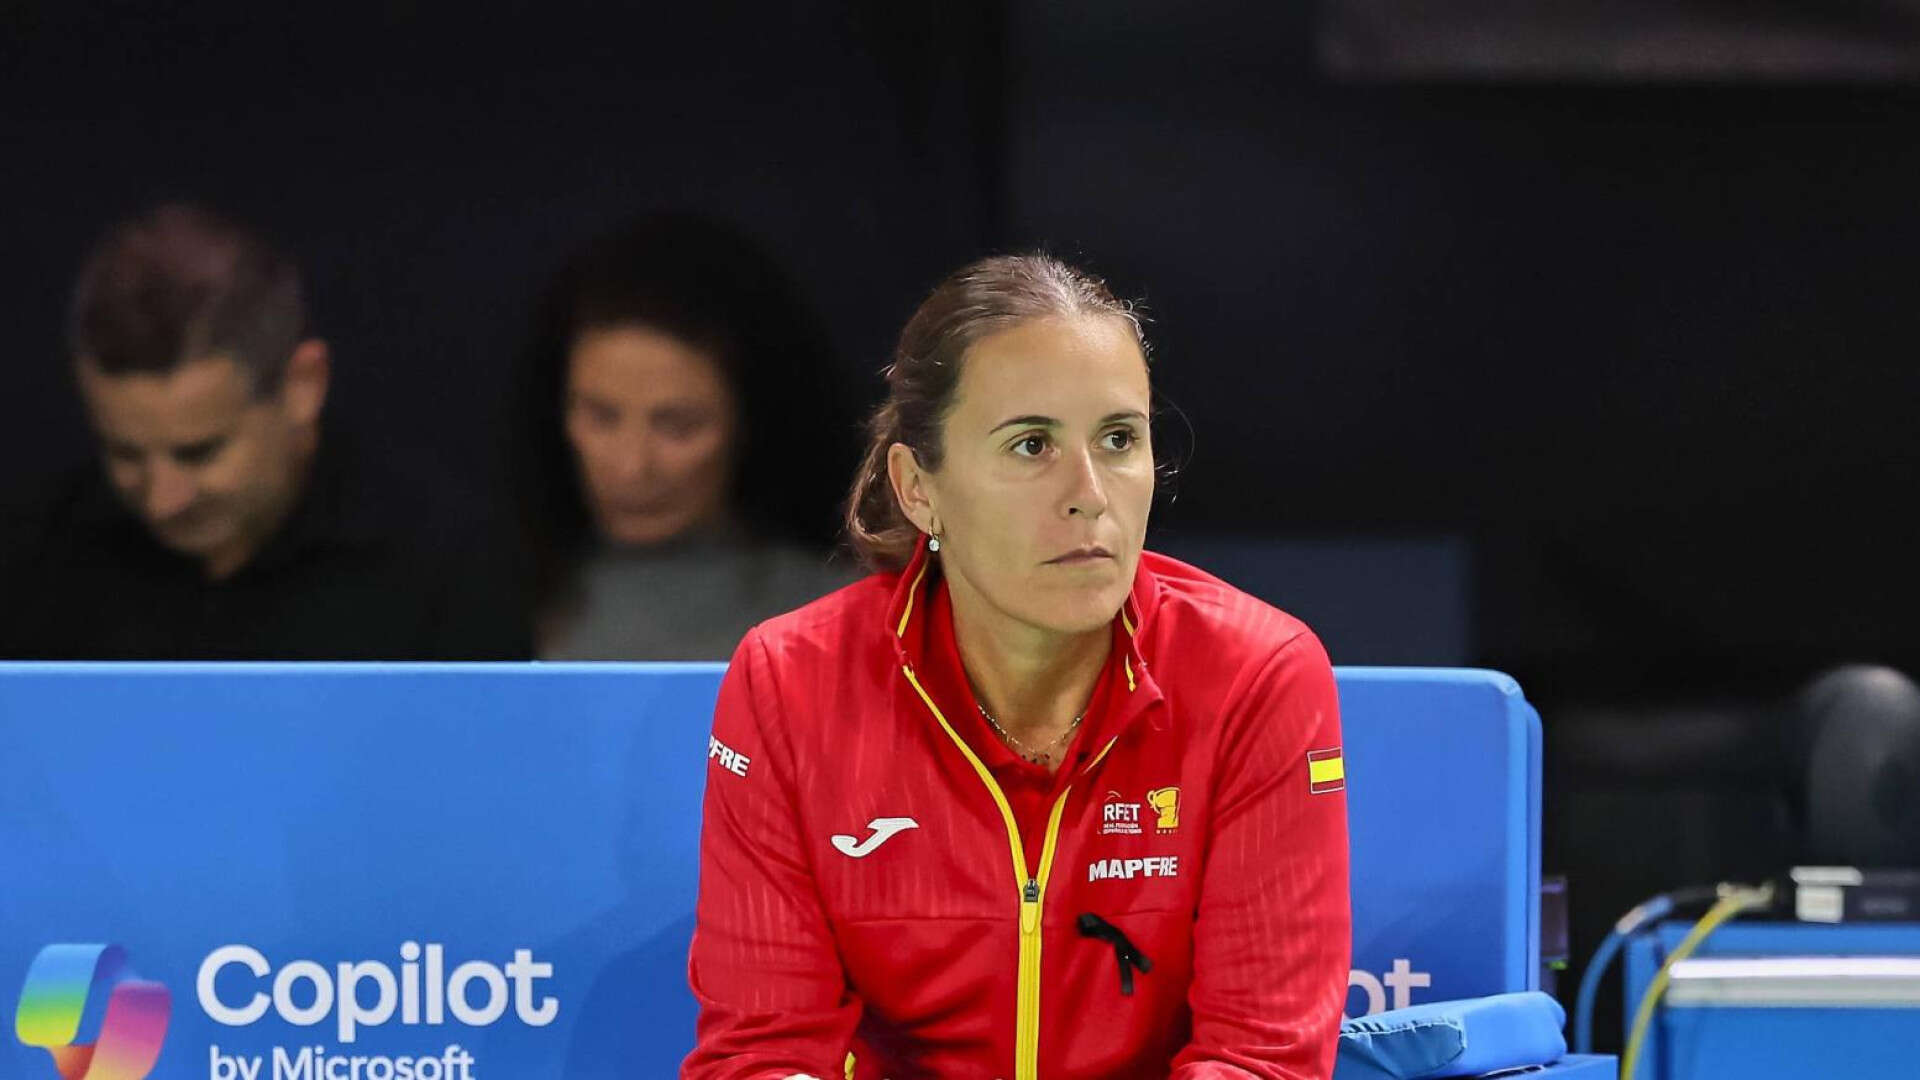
[[933, 543]]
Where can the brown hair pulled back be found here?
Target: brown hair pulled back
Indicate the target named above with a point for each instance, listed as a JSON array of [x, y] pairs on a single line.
[[978, 300]]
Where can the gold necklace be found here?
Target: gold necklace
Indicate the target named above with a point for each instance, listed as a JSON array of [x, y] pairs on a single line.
[[1041, 756]]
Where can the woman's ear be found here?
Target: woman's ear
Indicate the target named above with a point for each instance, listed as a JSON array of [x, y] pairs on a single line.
[[911, 484]]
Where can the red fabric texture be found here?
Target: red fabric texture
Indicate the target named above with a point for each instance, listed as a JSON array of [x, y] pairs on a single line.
[[906, 953]]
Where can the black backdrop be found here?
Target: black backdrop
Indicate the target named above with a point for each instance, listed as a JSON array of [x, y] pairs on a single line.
[[1650, 347]]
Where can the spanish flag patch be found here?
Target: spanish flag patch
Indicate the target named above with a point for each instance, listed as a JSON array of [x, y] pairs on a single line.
[[1326, 771]]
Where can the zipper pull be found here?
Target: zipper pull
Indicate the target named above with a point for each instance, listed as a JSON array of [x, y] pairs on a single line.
[[1030, 907], [1032, 893]]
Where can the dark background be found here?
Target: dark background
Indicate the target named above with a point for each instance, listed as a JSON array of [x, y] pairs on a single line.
[[1644, 348]]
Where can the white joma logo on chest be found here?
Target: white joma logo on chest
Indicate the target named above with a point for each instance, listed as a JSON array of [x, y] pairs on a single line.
[[1128, 869], [883, 828]]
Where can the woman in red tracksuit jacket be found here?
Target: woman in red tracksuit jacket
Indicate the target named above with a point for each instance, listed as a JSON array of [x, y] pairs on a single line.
[[1027, 802]]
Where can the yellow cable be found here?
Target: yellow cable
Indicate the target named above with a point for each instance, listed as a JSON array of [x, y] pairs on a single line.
[[1735, 901]]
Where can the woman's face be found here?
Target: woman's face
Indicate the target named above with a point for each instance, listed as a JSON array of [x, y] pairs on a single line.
[[652, 422], [1042, 497]]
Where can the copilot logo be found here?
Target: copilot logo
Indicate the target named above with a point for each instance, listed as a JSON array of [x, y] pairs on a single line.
[[100, 1021], [239, 987], [68, 984]]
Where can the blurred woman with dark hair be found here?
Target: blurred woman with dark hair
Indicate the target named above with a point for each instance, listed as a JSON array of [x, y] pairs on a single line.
[[678, 477]]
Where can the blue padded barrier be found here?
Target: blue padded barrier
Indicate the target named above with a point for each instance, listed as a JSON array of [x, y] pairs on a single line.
[[333, 813]]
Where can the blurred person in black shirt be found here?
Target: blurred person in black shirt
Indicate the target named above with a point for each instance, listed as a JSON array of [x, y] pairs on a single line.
[[223, 525]]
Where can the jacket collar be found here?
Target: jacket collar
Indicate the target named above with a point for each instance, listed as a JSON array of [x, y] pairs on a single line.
[[910, 604]]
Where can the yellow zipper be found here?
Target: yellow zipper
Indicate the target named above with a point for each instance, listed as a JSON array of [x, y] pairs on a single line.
[[1032, 890]]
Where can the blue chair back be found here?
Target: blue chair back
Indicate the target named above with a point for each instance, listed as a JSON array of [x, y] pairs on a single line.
[[1443, 805]]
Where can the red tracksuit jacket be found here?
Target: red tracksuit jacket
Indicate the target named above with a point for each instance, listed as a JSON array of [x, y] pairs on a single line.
[[886, 891]]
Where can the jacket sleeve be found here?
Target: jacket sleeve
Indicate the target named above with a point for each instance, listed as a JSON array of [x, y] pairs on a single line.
[[773, 996], [1272, 937]]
